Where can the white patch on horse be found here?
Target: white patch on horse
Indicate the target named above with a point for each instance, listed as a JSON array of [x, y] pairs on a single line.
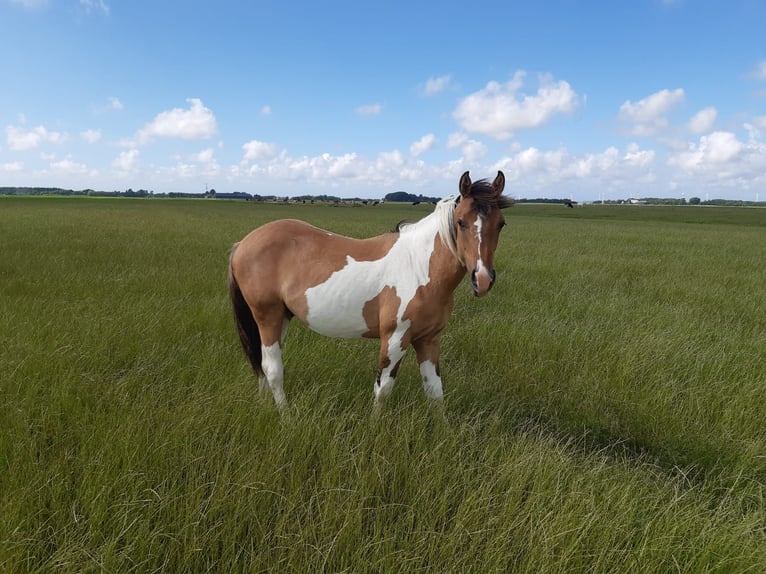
[[273, 371], [432, 382], [335, 307], [479, 263]]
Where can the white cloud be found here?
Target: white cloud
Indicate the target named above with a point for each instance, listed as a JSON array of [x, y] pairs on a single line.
[[259, 151], [635, 156], [91, 136], [266, 111], [711, 151], [31, 4], [127, 160], [422, 145], [648, 115], [97, 5], [456, 139], [197, 122], [435, 86], [67, 166], [369, 110], [115, 103], [545, 171], [759, 73], [20, 139], [205, 156], [12, 167], [703, 120], [473, 151], [760, 122], [499, 110]]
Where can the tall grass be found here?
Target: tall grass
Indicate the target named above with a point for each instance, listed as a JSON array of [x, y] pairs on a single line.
[[605, 402]]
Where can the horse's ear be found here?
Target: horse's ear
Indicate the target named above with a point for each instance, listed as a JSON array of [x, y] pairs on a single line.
[[465, 185], [499, 184]]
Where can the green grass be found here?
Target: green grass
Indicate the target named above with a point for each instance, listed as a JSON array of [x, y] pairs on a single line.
[[605, 402]]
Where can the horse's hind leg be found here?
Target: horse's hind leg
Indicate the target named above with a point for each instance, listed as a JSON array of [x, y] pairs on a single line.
[[272, 335]]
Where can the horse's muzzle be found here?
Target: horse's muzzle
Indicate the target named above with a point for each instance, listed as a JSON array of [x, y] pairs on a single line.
[[482, 282]]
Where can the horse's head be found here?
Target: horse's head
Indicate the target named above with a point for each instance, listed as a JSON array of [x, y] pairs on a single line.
[[478, 221]]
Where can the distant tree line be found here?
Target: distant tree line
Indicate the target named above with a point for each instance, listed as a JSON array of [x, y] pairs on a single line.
[[403, 196], [398, 196]]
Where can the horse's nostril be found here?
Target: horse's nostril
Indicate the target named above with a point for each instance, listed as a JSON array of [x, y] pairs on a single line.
[[492, 275]]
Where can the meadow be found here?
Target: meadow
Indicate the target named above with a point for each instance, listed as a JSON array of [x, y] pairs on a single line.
[[605, 404]]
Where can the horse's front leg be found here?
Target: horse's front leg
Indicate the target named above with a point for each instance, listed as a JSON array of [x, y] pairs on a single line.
[[427, 351], [392, 348]]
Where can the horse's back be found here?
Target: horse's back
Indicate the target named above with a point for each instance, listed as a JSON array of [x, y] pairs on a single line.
[[281, 260]]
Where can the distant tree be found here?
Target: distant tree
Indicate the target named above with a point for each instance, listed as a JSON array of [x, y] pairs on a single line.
[[403, 196], [694, 201]]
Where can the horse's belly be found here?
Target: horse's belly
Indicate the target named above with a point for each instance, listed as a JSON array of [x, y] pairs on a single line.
[[334, 326], [336, 308], [338, 316]]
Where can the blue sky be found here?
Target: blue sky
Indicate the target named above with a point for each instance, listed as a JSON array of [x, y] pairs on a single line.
[[581, 99]]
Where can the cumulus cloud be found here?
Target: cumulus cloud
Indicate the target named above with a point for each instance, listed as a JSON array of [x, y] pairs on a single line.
[[647, 116], [12, 167], [67, 166], [711, 151], [703, 120], [369, 110], [127, 160], [422, 145], [196, 122], [204, 156], [259, 151], [500, 110], [635, 156], [20, 139], [435, 86], [91, 136], [546, 170], [115, 103], [472, 150], [266, 111]]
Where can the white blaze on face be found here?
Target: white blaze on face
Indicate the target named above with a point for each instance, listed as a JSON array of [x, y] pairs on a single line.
[[479, 263], [335, 307]]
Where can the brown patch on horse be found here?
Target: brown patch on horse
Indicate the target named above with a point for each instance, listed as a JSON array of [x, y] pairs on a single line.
[[435, 299], [317, 253], [384, 304]]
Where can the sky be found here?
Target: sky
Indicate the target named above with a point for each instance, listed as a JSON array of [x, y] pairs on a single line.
[[584, 99]]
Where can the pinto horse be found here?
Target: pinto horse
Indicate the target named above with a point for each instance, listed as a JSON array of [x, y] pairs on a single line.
[[398, 287]]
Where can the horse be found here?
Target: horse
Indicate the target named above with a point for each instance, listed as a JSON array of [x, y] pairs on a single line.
[[397, 287]]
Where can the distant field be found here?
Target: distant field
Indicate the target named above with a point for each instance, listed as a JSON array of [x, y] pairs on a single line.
[[606, 402]]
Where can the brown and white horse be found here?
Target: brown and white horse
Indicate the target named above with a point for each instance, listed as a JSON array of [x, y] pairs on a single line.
[[398, 287]]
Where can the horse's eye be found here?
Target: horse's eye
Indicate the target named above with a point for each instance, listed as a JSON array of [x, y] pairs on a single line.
[[462, 224], [502, 224]]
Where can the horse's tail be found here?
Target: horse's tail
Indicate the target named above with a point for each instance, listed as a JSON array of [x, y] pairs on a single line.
[[246, 325]]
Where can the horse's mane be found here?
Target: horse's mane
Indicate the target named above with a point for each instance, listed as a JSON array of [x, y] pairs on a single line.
[[484, 198]]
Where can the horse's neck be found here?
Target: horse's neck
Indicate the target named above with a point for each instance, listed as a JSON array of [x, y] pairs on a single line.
[[446, 270], [434, 257]]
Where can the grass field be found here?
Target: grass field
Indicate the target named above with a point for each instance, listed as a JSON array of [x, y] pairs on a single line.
[[606, 403]]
